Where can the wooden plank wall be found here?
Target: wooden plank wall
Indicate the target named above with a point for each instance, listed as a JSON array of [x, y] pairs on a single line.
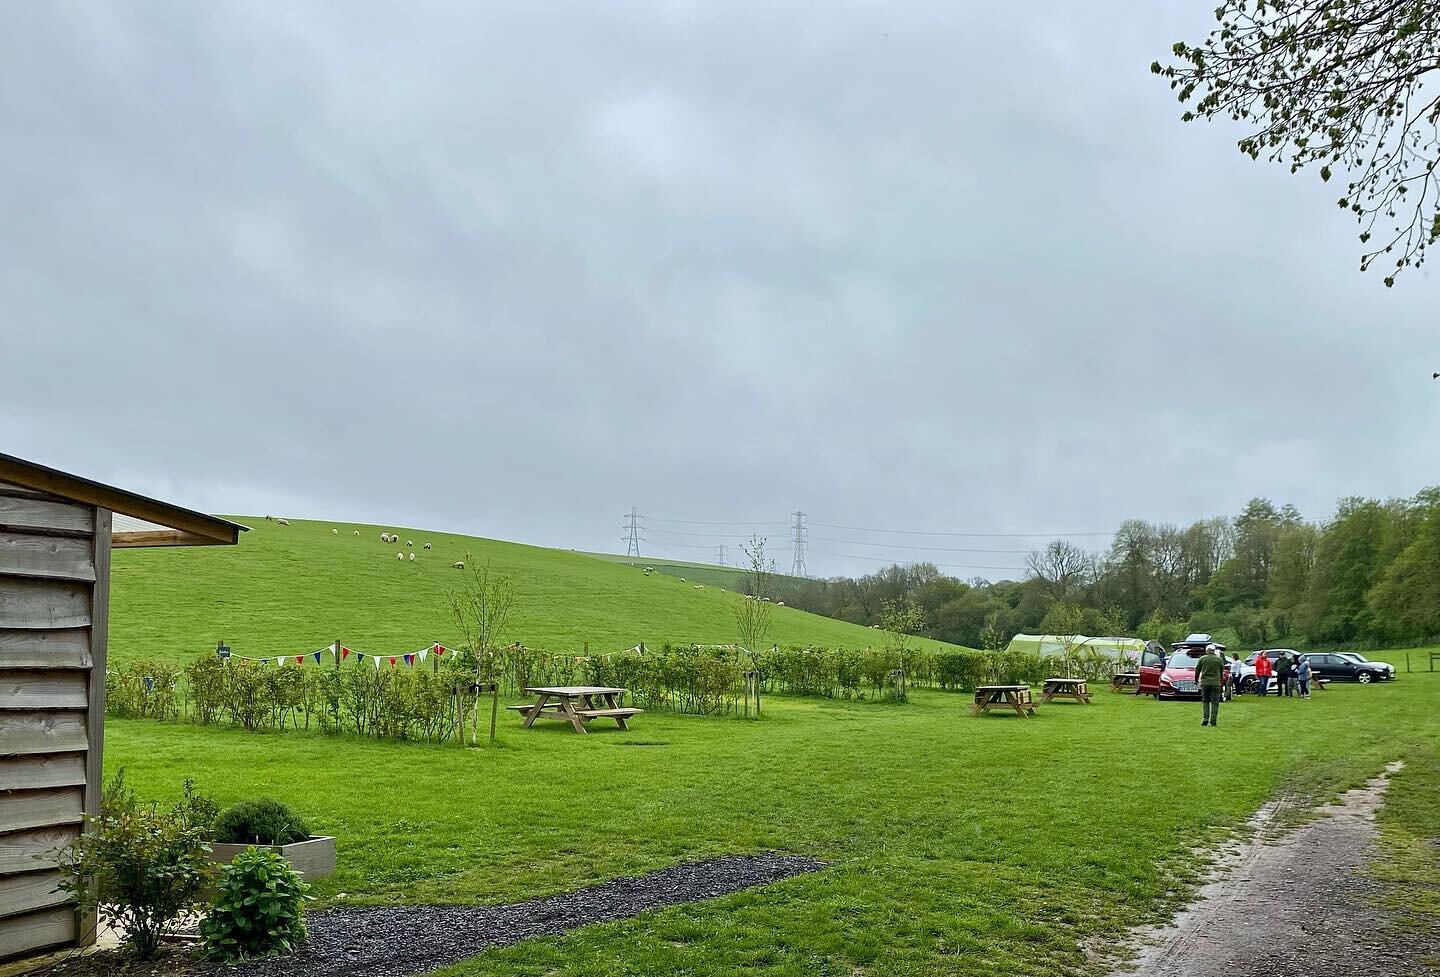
[[54, 601]]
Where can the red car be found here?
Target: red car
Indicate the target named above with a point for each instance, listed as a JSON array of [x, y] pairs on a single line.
[[1173, 676]]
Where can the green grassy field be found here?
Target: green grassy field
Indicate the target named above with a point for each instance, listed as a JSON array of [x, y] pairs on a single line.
[[712, 576], [296, 588], [957, 845]]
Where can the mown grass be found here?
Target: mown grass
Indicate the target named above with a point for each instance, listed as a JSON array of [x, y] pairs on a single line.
[[293, 589], [957, 845]]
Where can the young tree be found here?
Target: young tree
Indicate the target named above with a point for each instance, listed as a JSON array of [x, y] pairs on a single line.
[[901, 619], [992, 635], [482, 607], [1064, 621], [752, 610], [1332, 83]]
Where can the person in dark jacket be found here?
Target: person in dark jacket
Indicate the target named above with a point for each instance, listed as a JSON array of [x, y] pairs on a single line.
[[1284, 668], [1210, 674]]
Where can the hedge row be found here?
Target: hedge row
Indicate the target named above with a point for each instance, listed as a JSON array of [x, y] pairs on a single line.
[[428, 702]]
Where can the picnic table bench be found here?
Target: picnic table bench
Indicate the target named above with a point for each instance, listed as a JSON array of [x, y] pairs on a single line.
[[1066, 688], [576, 705], [1015, 697], [1125, 680]]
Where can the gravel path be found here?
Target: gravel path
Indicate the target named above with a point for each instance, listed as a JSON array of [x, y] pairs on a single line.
[[368, 942], [1291, 904]]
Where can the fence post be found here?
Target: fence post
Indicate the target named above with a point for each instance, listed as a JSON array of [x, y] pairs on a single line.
[[494, 708]]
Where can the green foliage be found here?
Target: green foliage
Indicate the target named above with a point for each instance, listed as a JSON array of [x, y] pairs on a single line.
[[258, 910], [143, 689], [288, 589], [913, 808], [260, 822], [141, 864], [1331, 84]]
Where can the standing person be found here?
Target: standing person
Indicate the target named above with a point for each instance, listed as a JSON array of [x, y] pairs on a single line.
[[1210, 673], [1263, 670], [1235, 664], [1302, 674], [1283, 670]]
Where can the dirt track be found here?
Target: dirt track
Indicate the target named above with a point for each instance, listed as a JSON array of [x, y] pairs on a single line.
[[1291, 903]]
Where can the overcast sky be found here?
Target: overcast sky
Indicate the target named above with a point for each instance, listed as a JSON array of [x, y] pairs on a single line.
[[511, 269]]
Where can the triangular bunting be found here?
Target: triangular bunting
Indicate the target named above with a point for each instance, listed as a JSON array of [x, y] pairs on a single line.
[[392, 661], [423, 653], [300, 659], [345, 653], [439, 650], [376, 660], [410, 659], [317, 656]]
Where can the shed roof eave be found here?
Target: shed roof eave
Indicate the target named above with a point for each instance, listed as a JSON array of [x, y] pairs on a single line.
[[178, 526]]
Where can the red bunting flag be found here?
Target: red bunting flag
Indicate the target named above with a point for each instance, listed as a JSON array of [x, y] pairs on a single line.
[[439, 650], [299, 659], [410, 659], [392, 660], [344, 653]]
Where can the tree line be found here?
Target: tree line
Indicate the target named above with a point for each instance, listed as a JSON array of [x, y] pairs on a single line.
[[1367, 576]]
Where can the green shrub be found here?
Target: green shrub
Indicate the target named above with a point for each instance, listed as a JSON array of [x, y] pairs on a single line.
[[259, 908], [143, 866], [260, 822]]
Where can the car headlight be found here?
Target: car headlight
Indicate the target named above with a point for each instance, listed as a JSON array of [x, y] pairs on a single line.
[[1165, 680]]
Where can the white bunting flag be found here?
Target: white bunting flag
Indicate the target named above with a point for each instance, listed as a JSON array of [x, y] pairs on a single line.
[[376, 660], [423, 653]]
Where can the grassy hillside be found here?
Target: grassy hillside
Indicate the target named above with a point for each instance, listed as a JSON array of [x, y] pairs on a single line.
[[705, 573], [296, 588]]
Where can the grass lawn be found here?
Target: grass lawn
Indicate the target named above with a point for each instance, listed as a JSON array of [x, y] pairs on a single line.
[[958, 846], [293, 589]]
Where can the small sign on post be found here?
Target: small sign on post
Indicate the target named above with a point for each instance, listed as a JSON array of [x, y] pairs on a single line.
[[222, 649]]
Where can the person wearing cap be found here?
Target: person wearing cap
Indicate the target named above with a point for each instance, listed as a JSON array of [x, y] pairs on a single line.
[[1210, 674]]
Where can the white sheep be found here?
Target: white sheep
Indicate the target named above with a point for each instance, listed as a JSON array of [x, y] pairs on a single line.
[[412, 557], [458, 564], [682, 579], [357, 532], [699, 586], [779, 603], [427, 546], [400, 556], [334, 532], [283, 522], [384, 537], [410, 542]]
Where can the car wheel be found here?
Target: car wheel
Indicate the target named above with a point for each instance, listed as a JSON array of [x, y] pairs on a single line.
[[1363, 678]]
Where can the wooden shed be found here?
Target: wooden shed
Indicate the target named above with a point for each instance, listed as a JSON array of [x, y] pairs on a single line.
[[56, 533]]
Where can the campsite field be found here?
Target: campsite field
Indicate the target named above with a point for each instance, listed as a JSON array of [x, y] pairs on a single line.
[[288, 590], [956, 845]]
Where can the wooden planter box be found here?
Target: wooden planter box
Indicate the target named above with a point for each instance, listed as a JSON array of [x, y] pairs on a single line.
[[313, 858]]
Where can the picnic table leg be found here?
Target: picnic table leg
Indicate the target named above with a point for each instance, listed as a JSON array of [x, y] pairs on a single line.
[[567, 705], [611, 704], [534, 712]]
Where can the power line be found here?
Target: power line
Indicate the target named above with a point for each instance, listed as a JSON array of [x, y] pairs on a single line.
[[681, 532], [633, 540], [720, 555], [700, 522], [797, 545], [928, 532], [952, 566], [905, 546]]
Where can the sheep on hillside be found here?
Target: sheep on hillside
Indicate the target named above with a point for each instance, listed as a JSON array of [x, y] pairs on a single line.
[[699, 586], [384, 537], [269, 518], [283, 522], [334, 532], [779, 603], [399, 556], [427, 546], [412, 557], [357, 532], [409, 542], [458, 564]]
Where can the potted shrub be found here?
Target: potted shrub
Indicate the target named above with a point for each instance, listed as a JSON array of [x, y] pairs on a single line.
[[266, 823]]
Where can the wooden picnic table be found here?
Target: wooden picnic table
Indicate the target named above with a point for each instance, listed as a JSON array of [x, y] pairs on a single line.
[[576, 705], [1125, 680], [1066, 688], [1015, 697]]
